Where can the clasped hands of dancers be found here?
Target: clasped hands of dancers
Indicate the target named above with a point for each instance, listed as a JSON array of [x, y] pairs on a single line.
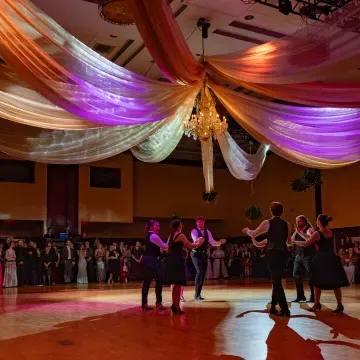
[[322, 265], [170, 270]]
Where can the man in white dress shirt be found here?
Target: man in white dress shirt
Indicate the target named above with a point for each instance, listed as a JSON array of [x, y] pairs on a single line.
[[199, 255], [68, 258]]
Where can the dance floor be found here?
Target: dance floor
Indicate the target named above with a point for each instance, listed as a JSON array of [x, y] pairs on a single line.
[[102, 322]]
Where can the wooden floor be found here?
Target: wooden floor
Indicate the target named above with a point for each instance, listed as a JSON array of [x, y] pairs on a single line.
[[101, 322]]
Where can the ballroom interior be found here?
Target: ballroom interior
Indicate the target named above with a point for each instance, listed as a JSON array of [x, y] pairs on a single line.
[[116, 112]]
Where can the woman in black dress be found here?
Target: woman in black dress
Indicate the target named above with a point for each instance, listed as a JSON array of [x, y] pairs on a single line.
[[175, 270], [113, 265], [137, 253], [327, 271]]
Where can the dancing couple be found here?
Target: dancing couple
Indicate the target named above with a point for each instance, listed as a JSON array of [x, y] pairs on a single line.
[[172, 271], [326, 273]]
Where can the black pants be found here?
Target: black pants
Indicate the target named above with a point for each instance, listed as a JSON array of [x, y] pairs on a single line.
[[306, 262], [200, 261], [20, 271], [91, 271], [152, 270], [46, 274], [276, 261], [68, 271]]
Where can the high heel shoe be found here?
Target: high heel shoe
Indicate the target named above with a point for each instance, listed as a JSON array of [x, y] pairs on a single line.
[[315, 308], [339, 309], [176, 311], [146, 307]]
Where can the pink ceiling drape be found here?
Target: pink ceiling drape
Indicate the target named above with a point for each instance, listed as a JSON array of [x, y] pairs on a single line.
[[165, 41], [271, 69], [316, 52]]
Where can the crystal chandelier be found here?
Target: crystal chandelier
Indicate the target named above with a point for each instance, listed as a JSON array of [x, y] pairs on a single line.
[[206, 122]]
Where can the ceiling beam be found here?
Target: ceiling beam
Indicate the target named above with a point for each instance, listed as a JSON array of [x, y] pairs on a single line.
[[122, 50], [256, 29], [238, 37], [133, 55]]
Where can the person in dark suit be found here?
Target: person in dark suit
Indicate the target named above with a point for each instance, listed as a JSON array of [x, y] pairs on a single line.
[[30, 265], [20, 252], [68, 258], [277, 240], [49, 234]]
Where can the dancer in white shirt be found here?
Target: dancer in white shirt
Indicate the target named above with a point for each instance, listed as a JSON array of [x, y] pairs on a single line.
[[200, 255]]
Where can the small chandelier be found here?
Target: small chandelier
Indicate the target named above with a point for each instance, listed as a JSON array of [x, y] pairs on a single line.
[[116, 12], [206, 122]]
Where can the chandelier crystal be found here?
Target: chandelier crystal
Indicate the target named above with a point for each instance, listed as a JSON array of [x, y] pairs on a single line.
[[206, 122]]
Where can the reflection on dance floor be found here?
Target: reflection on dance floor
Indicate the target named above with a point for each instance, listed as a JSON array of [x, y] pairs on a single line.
[[101, 322]]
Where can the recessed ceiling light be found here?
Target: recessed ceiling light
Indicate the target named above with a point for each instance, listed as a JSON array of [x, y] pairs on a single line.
[[249, 17], [113, 36]]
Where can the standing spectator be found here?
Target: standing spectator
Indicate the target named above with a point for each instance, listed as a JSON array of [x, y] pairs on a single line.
[[219, 268], [100, 263], [246, 262], [209, 270], [84, 237], [68, 232], [38, 265], [30, 264], [350, 263], [90, 269], [347, 243], [82, 266], [68, 258], [46, 261], [49, 234], [113, 264], [55, 266], [1, 264], [122, 248], [6, 244], [10, 278], [20, 262], [356, 248], [124, 274], [136, 257]]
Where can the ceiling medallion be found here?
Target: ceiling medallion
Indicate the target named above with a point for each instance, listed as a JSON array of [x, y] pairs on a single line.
[[116, 12]]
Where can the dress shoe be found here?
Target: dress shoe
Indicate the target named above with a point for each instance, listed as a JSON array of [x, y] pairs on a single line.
[[273, 310], [339, 309], [159, 306], [315, 308], [176, 311], [299, 299], [283, 313]]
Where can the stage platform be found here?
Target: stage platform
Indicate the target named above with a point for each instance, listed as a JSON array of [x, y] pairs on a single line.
[[105, 322]]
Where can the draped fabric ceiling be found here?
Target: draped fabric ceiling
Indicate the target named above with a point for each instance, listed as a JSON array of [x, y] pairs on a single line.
[[64, 103]]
